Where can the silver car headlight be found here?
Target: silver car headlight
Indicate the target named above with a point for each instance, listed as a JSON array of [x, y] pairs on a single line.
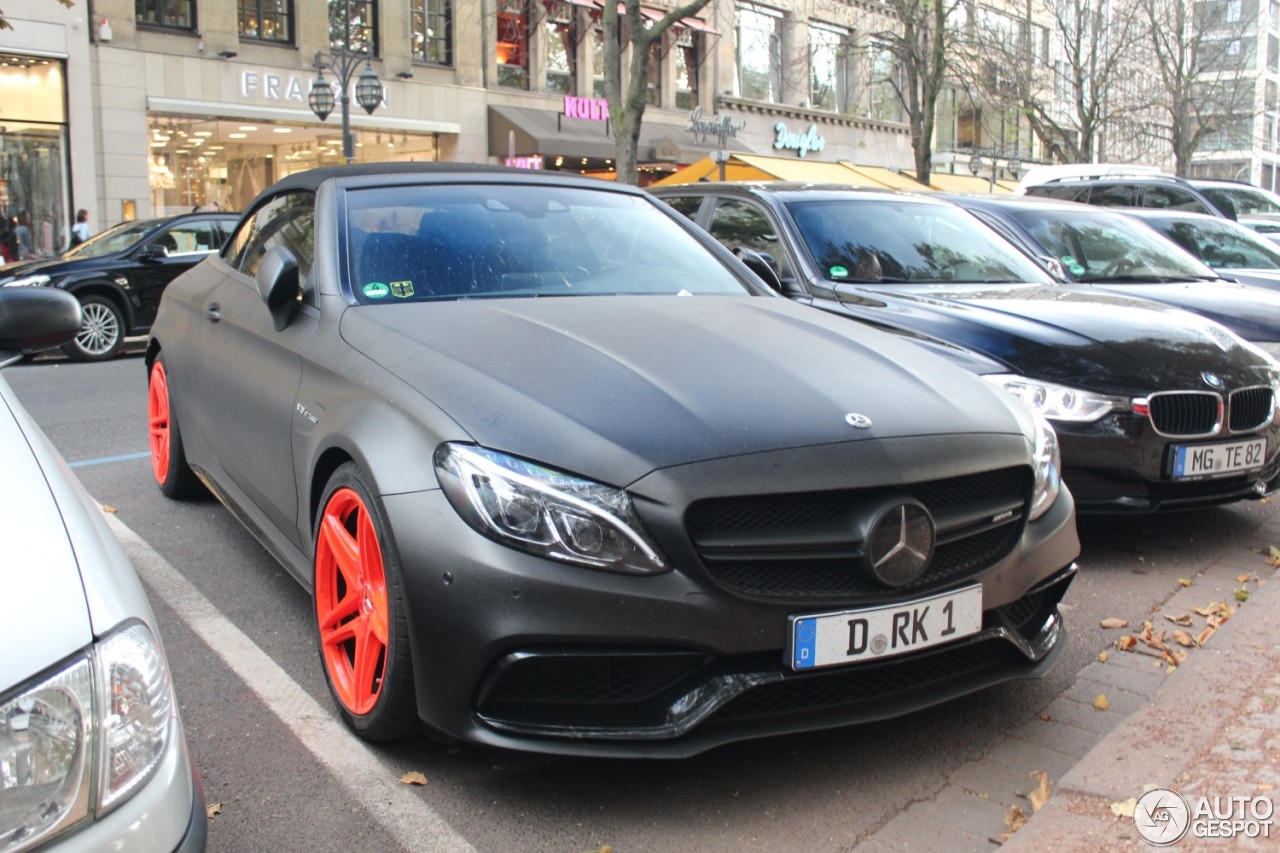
[[105, 715], [1047, 461], [28, 281], [1059, 402], [546, 512]]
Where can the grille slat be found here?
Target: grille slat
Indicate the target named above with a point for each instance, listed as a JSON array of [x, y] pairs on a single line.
[[1192, 413], [1250, 408]]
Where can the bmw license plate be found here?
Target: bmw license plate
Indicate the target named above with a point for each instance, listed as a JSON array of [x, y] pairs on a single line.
[[829, 639], [1197, 461]]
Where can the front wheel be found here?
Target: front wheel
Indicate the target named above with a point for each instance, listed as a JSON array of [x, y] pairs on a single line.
[[360, 612], [101, 332]]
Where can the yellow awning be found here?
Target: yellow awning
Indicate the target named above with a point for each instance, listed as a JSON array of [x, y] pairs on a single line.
[[759, 167], [807, 171], [885, 177]]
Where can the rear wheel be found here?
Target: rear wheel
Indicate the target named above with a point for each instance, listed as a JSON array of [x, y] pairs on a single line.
[[168, 460], [360, 612], [101, 332]]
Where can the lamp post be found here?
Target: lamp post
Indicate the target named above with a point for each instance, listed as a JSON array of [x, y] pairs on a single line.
[[343, 64]]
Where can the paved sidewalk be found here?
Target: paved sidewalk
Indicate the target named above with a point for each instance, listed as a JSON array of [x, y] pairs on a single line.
[[1211, 729]]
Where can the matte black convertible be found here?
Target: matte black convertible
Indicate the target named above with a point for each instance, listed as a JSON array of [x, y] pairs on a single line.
[[563, 477]]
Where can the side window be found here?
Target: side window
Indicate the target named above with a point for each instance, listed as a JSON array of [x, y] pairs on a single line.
[[1068, 192], [1114, 195], [193, 237], [686, 204], [1174, 198], [738, 223], [287, 220]]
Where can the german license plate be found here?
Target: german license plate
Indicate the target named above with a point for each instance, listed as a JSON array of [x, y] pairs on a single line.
[[1196, 461], [830, 639]]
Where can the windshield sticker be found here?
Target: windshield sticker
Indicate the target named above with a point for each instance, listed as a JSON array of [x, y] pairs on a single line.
[[839, 272], [402, 289], [375, 290], [1077, 269]]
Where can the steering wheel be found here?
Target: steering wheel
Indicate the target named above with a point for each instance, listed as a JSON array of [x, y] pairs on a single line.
[[1119, 267]]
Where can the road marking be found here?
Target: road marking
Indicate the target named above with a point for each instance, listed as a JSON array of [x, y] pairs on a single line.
[[103, 460], [399, 809]]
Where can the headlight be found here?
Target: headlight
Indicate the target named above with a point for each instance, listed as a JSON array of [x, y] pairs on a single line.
[[28, 281], [107, 714], [546, 512], [1058, 402], [1047, 460]]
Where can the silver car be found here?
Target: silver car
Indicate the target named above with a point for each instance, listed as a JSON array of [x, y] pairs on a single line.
[[92, 753]]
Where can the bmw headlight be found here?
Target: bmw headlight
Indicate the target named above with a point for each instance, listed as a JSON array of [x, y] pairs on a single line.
[[1058, 402], [105, 715], [1047, 461], [28, 281], [546, 512]]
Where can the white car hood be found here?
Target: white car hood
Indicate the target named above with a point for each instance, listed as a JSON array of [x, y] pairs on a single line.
[[45, 616]]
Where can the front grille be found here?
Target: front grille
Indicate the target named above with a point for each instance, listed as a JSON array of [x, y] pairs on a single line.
[[1250, 408], [805, 545], [1186, 413]]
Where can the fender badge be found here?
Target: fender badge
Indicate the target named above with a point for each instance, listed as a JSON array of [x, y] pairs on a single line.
[[854, 419]]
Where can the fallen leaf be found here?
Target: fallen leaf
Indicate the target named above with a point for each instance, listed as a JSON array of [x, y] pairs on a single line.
[[213, 809], [1184, 581], [1015, 819], [1242, 594], [1101, 702], [1183, 639], [1040, 794], [413, 777], [109, 508], [1184, 620], [1126, 643], [1205, 611], [1204, 635], [1175, 657], [1171, 670], [1124, 808], [1243, 578], [1045, 717], [1102, 657], [1114, 622]]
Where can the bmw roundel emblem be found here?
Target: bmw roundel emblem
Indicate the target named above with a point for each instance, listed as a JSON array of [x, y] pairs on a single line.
[[1211, 379], [854, 419]]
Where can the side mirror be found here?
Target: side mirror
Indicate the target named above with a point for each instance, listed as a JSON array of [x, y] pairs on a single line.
[[278, 285], [154, 252], [36, 318], [1053, 265], [762, 265]]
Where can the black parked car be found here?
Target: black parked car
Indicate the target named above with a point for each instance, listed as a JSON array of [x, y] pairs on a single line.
[[562, 476], [119, 274], [1105, 250], [1155, 407], [1229, 248]]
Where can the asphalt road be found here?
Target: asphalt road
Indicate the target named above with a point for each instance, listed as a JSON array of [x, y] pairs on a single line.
[[286, 776]]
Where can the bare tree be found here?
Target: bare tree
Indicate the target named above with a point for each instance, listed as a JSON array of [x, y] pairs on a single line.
[[922, 45], [1202, 57], [627, 109]]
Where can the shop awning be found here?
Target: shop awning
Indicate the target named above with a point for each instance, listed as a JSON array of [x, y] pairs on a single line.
[[546, 133], [964, 184], [885, 177], [757, 167]]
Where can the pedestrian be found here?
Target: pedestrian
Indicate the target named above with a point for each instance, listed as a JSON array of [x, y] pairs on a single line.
[[80, 231], [22, 233]]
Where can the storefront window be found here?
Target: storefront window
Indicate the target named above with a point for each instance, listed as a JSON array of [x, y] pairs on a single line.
[[266, 20], [33, 157], [178, 14], [431, 21], [829, 51], [561, 27], [353, 26], [759, 47], [513, 44]]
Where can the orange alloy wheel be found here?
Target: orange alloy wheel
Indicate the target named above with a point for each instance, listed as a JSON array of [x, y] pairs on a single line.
[[351, 601], [158, 416]]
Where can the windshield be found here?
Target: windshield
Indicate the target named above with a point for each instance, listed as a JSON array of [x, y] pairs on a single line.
[[453, 242], [1220, 243], [895, 240], [1244, 200], [115, 239], [1095, 245]]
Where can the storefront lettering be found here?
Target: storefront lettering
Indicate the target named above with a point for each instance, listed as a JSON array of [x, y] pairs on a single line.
[[275, 87], [802, 143], [593, 109], [534, 162], [722, 130]]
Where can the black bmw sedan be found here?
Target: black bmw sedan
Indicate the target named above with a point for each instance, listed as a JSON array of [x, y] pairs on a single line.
[[562, 476], [1156, 408], [119, 274]]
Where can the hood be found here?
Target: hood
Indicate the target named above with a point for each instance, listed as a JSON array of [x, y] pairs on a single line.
[[54, 267], [1101, 342], [615, 387], [1251, 312], [48, 616]]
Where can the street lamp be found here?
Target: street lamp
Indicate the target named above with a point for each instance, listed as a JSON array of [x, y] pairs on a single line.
[[343, 64]]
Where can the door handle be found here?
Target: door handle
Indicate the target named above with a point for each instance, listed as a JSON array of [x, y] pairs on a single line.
[[213, 312]]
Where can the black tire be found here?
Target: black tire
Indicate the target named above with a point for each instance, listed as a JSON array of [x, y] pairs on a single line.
[[168, 458], [393, 712], [101, 334]]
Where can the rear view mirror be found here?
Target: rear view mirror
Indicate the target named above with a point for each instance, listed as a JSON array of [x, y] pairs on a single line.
[[765, 268], [36, 318]]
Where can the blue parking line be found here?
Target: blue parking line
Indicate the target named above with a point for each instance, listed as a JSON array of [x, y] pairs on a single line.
[[84, 463]]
